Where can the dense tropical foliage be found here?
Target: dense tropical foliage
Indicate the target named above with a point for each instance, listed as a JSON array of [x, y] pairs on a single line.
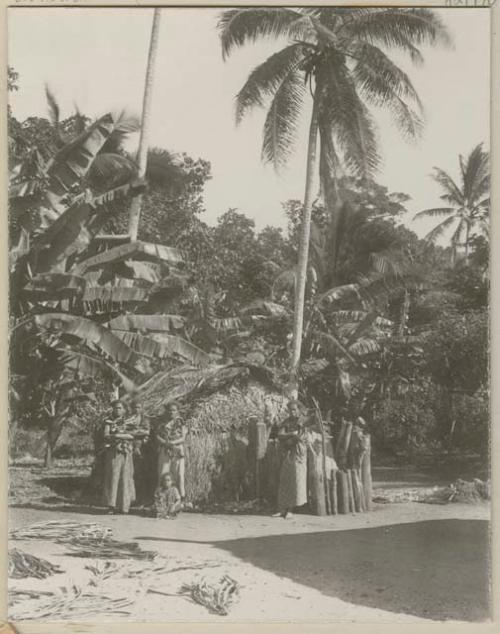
[[392, 327], [339, 56]]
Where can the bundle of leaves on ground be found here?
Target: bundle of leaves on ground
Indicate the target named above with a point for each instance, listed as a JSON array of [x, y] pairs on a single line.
[[216, 597], [23, 565], [84, 540], [108, 549], [460, 491], [468, 492], [70, 603], [62, 531]]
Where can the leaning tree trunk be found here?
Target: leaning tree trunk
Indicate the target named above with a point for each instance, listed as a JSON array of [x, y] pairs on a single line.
[[142, 155], [300, 286]]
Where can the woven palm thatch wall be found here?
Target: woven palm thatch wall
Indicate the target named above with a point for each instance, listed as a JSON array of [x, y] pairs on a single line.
[[218, 465], [217, 403]]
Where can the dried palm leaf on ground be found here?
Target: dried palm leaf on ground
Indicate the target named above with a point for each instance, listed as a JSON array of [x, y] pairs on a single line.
[[23, 565], [216, 597], [62, 531], [458, 492], [71, 604], [16, 595], [102, 570], [108, 549]]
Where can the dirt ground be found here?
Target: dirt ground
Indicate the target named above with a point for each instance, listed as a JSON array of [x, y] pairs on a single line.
[[400, 563]]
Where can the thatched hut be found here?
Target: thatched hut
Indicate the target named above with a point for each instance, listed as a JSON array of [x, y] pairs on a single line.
[[217, 403]]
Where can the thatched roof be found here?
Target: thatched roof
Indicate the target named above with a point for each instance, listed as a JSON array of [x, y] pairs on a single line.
[[187, 384]]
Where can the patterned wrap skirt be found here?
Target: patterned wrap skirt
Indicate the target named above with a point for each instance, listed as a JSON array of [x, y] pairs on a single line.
[[119, 488], [292, 490]]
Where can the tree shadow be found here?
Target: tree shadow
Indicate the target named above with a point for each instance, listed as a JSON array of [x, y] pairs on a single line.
[[436, 569]]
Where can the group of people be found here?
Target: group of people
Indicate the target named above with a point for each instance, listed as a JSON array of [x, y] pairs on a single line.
[[141, 462]]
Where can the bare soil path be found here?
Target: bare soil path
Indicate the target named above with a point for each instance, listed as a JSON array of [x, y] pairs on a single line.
[[401, 563]]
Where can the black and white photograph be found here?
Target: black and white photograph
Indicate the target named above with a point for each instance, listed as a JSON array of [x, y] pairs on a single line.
[[249, 314]]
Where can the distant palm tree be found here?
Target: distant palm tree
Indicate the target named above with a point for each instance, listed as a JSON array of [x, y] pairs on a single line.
[[337, 55], [468, 202], [142, 153]]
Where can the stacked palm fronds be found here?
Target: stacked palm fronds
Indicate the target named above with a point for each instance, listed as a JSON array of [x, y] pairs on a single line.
[[69, 604], [23, 565], [108, 549], [62, 531], [216, 597], [84, 540]]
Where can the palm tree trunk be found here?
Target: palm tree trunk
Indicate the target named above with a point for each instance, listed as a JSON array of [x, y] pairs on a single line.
[[142, 155], [467, 237], [300, 288]]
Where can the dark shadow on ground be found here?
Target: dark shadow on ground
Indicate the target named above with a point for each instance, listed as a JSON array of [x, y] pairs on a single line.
[[434, 569]]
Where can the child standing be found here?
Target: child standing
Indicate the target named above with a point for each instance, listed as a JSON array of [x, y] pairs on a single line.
[[167, 499]]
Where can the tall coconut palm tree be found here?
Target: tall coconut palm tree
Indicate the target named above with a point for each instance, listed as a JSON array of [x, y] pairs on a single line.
[[468, 201], [142, 154], [338, 56]]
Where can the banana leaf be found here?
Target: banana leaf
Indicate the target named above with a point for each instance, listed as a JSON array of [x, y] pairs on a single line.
[[73, 161], [158, 323], [224, 324], [139, 250], [269, 308], [91, 332], [85, 365], [54, 286], [168, 346], [118, 295], [332, 344]]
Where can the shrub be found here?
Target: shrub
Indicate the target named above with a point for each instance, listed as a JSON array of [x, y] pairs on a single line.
[[406, 425]]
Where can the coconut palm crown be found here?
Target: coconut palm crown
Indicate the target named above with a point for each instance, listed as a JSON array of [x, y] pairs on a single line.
[[338, 55], [467, 201]]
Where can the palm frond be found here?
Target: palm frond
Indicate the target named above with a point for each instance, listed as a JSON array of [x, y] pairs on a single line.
[[108, 167], [54, 109], [434, 212], [365, 346], [452, 190], [475, 174], [240, 26], [282, 120], [397, 28], [440, 229], [266, 79], [341, 109], [384, 84], [164, 168]]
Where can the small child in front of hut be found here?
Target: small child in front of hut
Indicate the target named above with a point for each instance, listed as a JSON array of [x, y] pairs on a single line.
[[167, 502]]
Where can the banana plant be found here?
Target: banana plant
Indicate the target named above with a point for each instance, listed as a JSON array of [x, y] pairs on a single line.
[[69, 286]]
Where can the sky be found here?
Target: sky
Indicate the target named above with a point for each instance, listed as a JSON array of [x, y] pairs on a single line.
[[96, 58]]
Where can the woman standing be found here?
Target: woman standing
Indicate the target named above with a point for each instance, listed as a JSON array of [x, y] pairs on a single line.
[[140, 425], [171, 435], [292, 436], [119, 489]]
